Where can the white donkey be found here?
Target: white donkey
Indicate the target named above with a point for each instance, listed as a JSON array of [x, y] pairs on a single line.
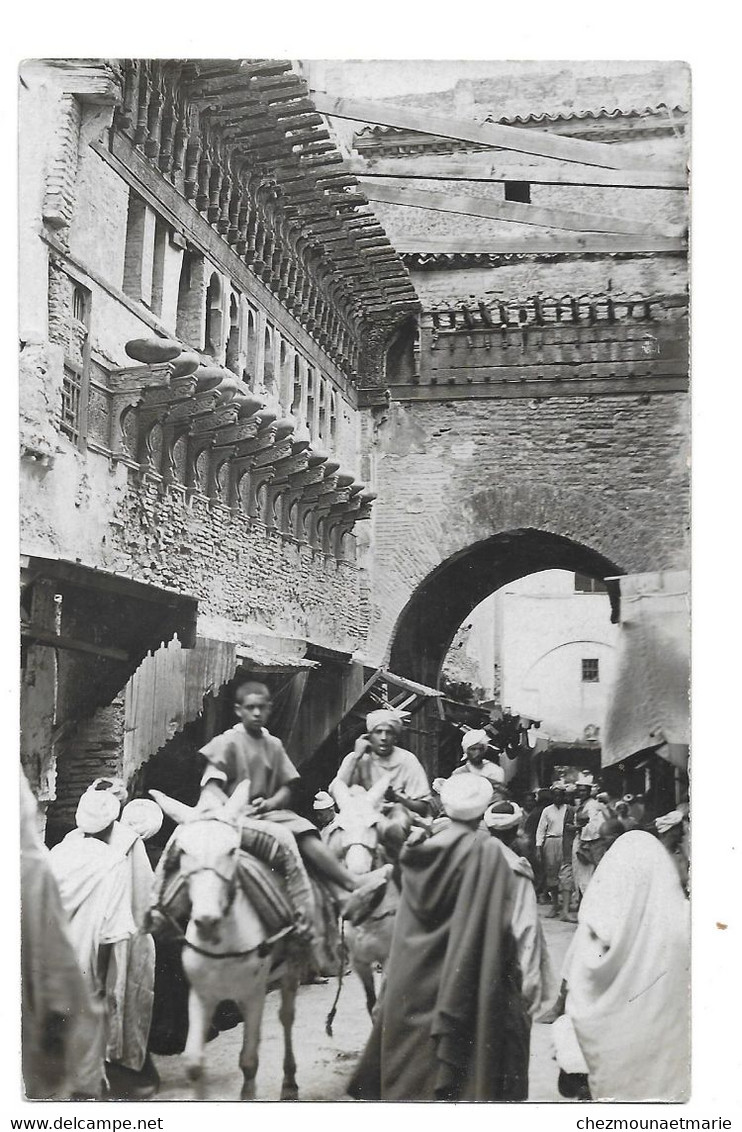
[[224, 953], [364, 838]]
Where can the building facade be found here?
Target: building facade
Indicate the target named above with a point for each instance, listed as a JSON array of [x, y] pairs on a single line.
[[205, 298], [295, 407]]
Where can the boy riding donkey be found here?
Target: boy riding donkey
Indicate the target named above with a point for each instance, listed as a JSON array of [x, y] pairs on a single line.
[[271, 831]]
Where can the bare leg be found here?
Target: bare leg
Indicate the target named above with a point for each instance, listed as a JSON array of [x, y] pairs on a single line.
[[199, 1019], [365, 973], [287, 1011], [318, 855], [252, 1013], [557, 1009]]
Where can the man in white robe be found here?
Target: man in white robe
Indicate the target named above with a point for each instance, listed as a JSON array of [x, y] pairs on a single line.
[[105, 879]]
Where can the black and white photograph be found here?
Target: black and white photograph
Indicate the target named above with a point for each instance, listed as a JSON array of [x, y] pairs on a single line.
[[355, 580]]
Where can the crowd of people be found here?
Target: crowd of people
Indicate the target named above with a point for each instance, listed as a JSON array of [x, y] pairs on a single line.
[[469, 968]]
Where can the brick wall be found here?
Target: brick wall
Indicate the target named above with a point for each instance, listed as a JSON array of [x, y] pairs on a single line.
[[93, 749], [236, 569], [59, 199], [609, 473]]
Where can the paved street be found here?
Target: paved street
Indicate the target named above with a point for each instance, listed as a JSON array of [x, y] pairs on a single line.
[[324, 1064]]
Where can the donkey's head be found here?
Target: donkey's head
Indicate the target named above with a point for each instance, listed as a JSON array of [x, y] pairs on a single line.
[[206, 846], [355, 836]]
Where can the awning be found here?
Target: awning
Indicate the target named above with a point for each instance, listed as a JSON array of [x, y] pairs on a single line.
[[168, 689], [649, 706], [100, 626]]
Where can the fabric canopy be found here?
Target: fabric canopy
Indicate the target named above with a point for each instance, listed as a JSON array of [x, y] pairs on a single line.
[[649, 705]]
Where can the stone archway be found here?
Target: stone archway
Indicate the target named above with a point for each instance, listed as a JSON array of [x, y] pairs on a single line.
[[443, 600], [452, 476]]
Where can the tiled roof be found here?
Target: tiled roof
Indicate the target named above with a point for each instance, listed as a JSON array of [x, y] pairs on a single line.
[[601, 112]]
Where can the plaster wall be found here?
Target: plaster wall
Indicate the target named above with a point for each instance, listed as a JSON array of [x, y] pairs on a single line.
[[545, 630]]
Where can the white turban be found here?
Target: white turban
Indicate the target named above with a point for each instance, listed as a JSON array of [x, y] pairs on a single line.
[[465, 797], [144, 817], [96, 810], [503, 821], [113, 786], [473, 739], [323, 801], [382, 717], [667, 821]]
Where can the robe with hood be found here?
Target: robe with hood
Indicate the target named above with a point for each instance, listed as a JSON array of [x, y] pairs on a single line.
[[450, 1023], [628, 973]]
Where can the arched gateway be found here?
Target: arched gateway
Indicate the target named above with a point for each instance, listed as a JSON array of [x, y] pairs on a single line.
[[441, 602]]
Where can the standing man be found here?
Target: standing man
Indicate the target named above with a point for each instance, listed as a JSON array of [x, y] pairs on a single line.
[[590, 817], [530, 824], [502, 820], [376, 754], [475, 746], [549, 837], [450, 1022]]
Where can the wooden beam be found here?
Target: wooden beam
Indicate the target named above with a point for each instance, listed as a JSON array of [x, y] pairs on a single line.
[[466, 205], [39, 636], [538, 245], [544, 173], [609, 385], [490, 134]]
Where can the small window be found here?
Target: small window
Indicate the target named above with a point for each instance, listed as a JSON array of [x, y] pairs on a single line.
[[139, 251], [162, 233], [333, 418], [296, 399], [233, 341], [587, 585], [310, 401], [213, 316], [269, 378], [590, 671], [519, 191], [79, 304]]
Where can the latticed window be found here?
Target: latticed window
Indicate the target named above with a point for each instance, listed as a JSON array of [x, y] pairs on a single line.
[[71, 399], [73, 418], [590, 671]]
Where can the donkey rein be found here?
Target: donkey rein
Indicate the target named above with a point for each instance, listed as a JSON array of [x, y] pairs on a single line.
[[341, 974], [262, 948]]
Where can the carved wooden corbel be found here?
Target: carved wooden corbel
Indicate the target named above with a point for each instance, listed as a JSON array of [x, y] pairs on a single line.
[[129, 386]]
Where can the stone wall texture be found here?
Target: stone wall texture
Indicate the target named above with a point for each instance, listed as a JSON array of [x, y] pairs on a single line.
[[609, 473]]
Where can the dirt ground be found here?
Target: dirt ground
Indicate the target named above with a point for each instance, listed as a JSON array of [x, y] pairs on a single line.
[[324, 1064]]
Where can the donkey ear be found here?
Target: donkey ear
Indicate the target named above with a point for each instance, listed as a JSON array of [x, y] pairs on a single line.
[[376, 792], [238, 800], [177, 811], [340, 792]]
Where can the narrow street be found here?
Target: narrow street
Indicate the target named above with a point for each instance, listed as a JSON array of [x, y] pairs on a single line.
[[325, 1064]]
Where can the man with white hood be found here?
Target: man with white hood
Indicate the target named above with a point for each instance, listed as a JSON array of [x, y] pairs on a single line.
[[475, 745], [105, 879]]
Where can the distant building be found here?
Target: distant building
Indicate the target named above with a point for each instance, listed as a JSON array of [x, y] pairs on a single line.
[[555, 652], [546, 643]]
